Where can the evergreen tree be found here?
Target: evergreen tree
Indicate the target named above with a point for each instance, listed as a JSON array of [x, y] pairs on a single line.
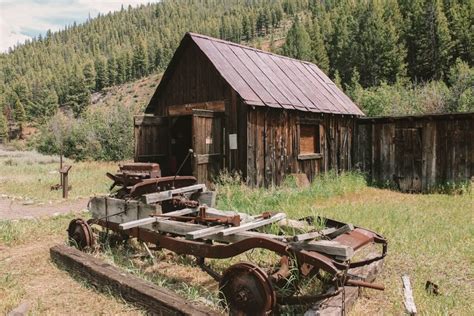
[[318, 48], [45, 106], [427, 38], [246, 28], [111, 71], [78, 96], [298, 43], [19, 113], [101, 78], [89, 76], [139, 64], [3, 128], [438, 40], [341, 41], [378, 52], [461, 27]]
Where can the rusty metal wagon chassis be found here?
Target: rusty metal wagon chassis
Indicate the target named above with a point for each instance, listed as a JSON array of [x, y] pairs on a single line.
[[246, 288]]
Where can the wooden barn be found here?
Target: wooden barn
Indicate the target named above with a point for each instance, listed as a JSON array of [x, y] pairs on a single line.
[[416, 153], [245, 110]]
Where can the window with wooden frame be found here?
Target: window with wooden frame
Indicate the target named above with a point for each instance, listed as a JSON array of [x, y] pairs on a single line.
[[310, 142]]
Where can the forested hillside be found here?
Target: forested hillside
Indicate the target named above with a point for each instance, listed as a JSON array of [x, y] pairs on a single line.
[[391, 56]]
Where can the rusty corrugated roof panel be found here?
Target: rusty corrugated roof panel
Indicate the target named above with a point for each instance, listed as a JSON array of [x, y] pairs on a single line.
[[263, 78]]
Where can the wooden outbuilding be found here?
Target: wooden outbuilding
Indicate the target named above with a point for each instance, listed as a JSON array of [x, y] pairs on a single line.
[[416, 153], [245, 110]]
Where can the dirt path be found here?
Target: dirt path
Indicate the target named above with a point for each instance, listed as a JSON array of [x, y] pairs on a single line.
[[49, 290], [14, 209]]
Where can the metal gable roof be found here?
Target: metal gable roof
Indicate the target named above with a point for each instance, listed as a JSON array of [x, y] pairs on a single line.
[[262, 78]]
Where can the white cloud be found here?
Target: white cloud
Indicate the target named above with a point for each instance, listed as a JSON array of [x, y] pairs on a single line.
[[22, 19]]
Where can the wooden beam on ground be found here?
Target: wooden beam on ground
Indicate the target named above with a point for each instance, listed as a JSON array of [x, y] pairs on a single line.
[[105, 277], [168, 195], [408, 295], [253, 225], [333, 305]]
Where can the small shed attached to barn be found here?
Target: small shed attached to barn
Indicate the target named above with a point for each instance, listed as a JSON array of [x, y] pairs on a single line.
[[245, 110], [416, 153]]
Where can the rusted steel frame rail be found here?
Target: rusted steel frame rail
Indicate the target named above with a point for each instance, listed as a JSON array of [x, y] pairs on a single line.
[[205, 250]]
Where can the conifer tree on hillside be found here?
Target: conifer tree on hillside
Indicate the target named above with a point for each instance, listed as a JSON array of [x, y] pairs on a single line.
[[298, 43], [139, 64], [78, 96], [19, 113], [89, 76], [340, 41], [101, 78], [318, 48], [45, 105], [427, 38], [378, 52], [461, 26], [3, 128]]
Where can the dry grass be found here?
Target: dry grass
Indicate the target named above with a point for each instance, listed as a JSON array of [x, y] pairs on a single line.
[[431, 237], [28, 275], [30, 175]]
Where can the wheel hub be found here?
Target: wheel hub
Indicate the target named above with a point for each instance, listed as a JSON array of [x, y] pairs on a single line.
[[80, 234], [247, 290]]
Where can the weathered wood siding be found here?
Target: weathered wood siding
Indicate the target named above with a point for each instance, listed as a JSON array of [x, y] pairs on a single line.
[[193, 79], [151, 139], [416, 153], [273, 145]]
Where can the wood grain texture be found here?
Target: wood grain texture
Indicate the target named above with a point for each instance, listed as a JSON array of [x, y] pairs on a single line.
[[416, 154], [105, 277]]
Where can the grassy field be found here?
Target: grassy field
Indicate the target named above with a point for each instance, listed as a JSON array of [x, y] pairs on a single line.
[[431, 237], [29, 176]]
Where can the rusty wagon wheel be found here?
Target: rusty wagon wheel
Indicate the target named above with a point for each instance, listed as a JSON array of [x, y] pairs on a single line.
[[247, 290], [80, 234]]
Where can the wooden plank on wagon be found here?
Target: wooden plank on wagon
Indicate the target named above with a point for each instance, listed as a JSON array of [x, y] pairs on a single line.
[[142, 293], [182, 228], [314, 235], [151, 220], [329, 247], [168, 195], [201, 233], [253, 225]]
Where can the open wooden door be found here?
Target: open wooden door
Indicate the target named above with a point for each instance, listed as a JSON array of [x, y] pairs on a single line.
[[207, 145], [151, 134], [408, 157]]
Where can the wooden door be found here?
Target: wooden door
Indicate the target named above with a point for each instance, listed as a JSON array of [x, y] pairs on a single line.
[[408, 159], [151, 134], [207, 145]]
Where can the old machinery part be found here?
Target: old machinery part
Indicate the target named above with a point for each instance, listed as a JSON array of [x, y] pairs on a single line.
[[80, 234], [247, 290], [179, 202]]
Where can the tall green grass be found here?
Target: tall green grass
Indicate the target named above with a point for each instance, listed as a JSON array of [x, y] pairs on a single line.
[[296, 202]]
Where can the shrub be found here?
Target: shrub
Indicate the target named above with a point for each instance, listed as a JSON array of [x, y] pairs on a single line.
[[99, 134]]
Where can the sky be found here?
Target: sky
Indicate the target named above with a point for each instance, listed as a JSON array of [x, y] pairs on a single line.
[[23, 19]]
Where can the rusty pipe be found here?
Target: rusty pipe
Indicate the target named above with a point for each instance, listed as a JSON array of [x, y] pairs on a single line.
[[365, 284]]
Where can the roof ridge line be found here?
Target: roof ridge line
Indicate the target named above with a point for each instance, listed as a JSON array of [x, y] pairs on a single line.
[[247, 47]]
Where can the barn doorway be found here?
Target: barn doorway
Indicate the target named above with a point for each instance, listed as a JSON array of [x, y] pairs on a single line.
[[208, 145], [180, 143]]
